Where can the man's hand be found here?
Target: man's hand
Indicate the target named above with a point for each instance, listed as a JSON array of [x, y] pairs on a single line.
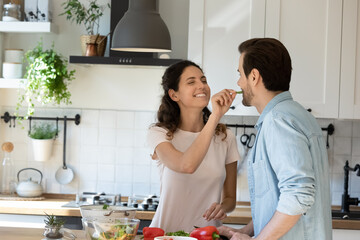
[[239, 236], [232, 233]]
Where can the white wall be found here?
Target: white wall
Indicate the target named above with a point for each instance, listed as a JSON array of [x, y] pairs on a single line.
[[103, 86]]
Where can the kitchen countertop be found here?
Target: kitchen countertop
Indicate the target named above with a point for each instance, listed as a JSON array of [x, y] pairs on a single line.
[[53, 202], [16, 233]]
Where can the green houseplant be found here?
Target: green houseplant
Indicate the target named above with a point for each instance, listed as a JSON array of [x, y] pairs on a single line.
[[47, 79], [89, 16], [53, 227], [42, 136]]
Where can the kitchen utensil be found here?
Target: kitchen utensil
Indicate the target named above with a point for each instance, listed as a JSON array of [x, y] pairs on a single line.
[[64, 175], [29, 188], [97, 213]]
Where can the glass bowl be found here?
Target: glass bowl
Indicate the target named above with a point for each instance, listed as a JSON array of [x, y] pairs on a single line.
[[119, 228]]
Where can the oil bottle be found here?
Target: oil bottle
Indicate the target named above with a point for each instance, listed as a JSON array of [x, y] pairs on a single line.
[[8, 171]]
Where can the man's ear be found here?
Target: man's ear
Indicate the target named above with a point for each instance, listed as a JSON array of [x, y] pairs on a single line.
[[173, 95], [255, 76]]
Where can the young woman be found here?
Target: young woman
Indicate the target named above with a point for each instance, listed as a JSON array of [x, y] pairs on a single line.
[[197, 156]]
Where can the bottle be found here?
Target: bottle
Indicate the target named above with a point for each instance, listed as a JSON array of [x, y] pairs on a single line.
[[11, 13], [8, 171]]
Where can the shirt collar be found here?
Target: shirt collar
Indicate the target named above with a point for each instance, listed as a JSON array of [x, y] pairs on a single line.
[[273, 102]]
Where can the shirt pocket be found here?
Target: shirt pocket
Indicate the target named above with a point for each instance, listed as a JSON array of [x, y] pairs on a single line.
[[260, 178]]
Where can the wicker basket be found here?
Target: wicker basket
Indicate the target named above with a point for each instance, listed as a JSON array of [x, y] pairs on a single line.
[[84, 39]]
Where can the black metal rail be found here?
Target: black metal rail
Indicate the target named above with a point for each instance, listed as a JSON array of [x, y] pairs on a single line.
[[7, 118], [329, 129]]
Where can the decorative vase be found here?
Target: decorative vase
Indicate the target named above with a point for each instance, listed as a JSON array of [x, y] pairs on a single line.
[[101, 45], [42, 149]]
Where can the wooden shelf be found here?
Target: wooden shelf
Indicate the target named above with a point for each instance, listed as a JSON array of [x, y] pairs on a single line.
[[27, 27], [11, 83]]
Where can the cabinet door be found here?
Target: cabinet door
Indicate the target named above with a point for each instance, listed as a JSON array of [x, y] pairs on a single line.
[[216, 28], [311, 31], [350, 61]]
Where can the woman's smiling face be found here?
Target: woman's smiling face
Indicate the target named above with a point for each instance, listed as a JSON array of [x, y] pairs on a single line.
[[193, 89]]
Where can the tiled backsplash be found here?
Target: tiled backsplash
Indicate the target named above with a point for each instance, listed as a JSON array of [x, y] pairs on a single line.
[[108, 152]]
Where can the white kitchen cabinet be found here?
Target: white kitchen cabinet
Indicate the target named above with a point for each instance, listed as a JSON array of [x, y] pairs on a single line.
[[320, 37], [349, 106], [215, 30], [311, 31]]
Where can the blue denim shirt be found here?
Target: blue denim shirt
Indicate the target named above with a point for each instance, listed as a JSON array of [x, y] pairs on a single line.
[[288, 170]]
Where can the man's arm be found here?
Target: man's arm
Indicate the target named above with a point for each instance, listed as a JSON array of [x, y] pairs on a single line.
[[278, 226]]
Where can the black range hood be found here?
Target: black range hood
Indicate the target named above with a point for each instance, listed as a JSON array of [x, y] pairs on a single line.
[[118, 9]]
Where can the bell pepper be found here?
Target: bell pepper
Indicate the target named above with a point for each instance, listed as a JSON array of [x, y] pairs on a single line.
[[151, 232], [205, 233]]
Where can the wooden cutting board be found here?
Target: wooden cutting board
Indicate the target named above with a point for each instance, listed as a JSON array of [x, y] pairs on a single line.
[[17, 198]]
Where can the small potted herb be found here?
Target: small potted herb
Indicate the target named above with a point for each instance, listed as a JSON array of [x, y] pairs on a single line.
[[53, 227], [42, 136]]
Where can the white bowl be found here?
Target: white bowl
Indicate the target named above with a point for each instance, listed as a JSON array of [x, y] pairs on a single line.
[[174, 238]]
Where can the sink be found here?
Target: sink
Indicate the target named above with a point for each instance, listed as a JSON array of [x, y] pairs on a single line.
[[352, 215]]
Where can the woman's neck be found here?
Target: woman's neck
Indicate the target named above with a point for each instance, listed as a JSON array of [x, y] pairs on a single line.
[[191, 121]]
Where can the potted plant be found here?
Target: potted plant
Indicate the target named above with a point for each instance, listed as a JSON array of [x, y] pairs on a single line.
[[42, 136], [89, 16], [47, 79], [53, 227]]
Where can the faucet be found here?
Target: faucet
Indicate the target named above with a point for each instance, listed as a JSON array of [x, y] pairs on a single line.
[[346, 199]]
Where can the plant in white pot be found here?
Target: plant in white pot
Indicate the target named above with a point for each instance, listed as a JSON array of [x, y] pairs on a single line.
[[42, 136], [89, 16]]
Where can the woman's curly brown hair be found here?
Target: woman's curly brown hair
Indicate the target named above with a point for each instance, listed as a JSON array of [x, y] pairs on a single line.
[[169, 112]]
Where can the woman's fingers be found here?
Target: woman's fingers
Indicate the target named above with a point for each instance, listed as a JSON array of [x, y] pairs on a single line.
[[215, 212]]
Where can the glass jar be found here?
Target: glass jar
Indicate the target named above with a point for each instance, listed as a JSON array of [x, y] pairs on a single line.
[[11, 13]]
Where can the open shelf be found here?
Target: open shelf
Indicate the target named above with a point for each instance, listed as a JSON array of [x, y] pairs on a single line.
[[11, 83], [27, 27]]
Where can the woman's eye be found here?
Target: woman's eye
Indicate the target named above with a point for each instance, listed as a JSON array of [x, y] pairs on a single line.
[[204, 80]]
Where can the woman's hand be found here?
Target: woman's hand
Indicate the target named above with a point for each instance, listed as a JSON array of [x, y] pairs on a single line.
[[222, 101], [215, 212]]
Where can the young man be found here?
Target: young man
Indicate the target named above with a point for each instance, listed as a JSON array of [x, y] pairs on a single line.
[[288, 165]]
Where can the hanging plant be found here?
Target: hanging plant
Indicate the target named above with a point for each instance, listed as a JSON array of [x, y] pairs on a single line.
[[47, 79]]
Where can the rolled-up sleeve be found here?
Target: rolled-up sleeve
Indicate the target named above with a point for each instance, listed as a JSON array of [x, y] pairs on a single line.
[[292, 163]]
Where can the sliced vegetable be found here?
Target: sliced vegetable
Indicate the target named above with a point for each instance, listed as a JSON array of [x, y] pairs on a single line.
[[178, 233], [151, 232], [105, 206], [205, 233], [239, 92], [119, 232]]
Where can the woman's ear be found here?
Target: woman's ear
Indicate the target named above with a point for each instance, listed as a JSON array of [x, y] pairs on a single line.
[[173, 95]]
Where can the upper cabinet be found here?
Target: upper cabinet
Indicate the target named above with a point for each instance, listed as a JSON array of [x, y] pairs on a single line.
[[350, 61], [321, 37], [311, 31]]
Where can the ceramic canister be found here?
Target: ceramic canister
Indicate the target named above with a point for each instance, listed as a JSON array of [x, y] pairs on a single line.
[[14, 55], [12, 70]]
